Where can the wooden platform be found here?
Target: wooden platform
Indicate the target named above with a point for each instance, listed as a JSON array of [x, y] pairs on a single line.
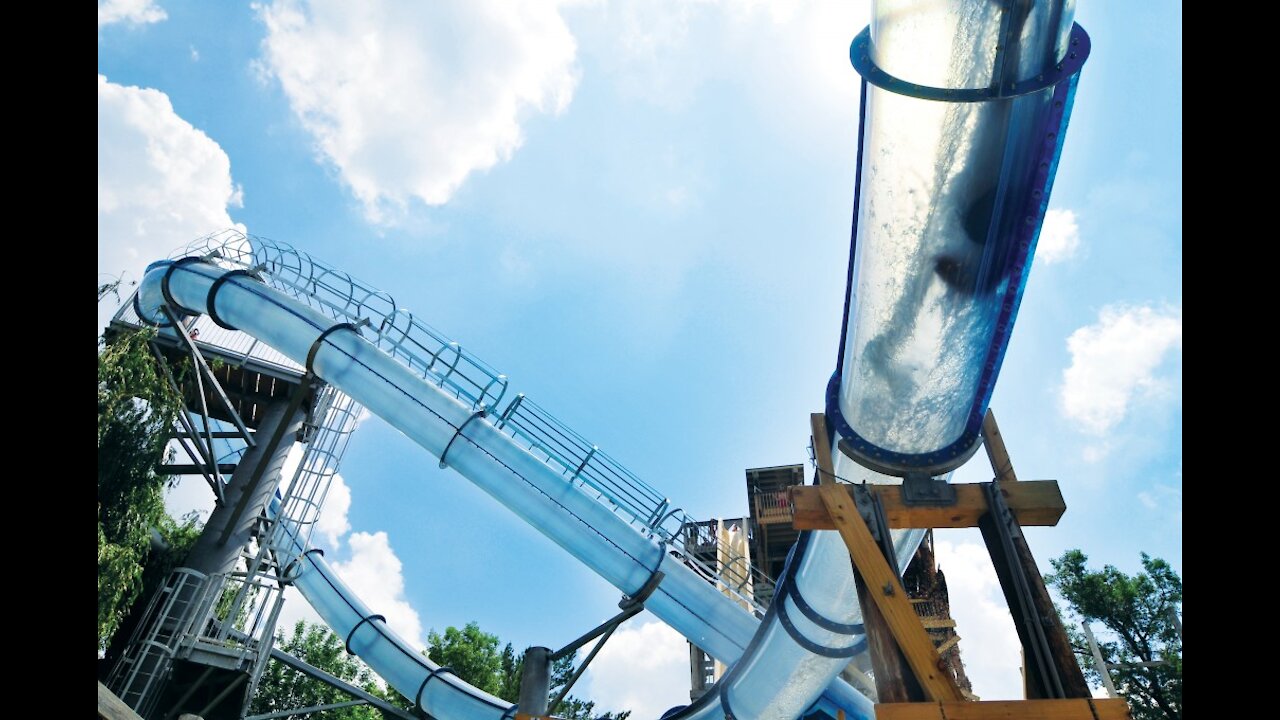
[[1075, 709]]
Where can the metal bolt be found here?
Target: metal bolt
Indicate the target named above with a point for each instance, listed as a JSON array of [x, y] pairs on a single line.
[[888, 589]]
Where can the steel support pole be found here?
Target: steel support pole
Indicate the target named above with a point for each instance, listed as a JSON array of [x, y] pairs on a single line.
[[535, 681], [231, 524], [1103, 668]]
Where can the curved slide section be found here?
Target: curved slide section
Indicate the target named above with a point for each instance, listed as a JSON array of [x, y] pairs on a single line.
[[431, 687], [468, 441]]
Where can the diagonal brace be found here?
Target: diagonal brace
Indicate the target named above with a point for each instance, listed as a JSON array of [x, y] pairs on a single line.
[[889, 596]]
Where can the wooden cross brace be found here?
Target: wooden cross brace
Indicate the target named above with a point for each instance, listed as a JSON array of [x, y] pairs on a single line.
[[908, 669]]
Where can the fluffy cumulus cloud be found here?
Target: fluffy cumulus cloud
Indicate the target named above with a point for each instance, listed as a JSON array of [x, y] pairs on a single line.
[[643, 668], [1059, 238], [161, 182], [374, 572], [133, 12], [989, 644], [407, 99], [1114, 360], [332, 523]]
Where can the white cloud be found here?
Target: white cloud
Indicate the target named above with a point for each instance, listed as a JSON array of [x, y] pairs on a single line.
[[1059, 238], [407, 99], [792, 58], [989, 644], [134, 12], [1114, 359], [1166, 500], [643, 668], [332, 523], [161, 182], [375, 574]]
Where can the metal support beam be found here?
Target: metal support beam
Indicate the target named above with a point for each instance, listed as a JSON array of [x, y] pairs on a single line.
[[203, 369], [535, 681], [192, 469], [232, 523], [293, 410], [306, 710], [1099, 661], [346, 687], [217, 435], [1052, 670], [631, 606], [206, 454]]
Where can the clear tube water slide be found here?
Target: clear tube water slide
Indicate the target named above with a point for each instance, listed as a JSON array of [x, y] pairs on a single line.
[[957, 152], [468, 440], [932, 296], [956, 161]]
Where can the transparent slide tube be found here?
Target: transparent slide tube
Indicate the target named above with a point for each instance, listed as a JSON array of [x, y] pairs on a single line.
[[477, 450], [951, 196], [935, 278]]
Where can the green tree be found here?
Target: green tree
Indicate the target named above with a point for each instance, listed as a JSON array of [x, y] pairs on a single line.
[[136, 408], [170, 542], [475, 658], [283, 688], [473, 654], [1137, 612]]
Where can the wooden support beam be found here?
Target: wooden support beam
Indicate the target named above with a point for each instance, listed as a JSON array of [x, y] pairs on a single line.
[[111, 707], [937, 623], [822, 448], [1033, 502], [893, 677], [886, 591], [948, 644], [1081, 709], [993, 441], [894, 680]]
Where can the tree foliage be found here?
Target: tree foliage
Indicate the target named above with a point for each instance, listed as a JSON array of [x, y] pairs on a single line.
[[283, 688], [1137, 612], [136, 408], [474, 656]]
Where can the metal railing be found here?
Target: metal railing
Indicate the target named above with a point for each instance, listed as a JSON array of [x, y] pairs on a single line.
[[336, 416], [395, 330], [630, 498], [150, 652]]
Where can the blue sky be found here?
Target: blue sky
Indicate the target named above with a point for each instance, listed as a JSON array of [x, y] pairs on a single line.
[[640, 213]]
